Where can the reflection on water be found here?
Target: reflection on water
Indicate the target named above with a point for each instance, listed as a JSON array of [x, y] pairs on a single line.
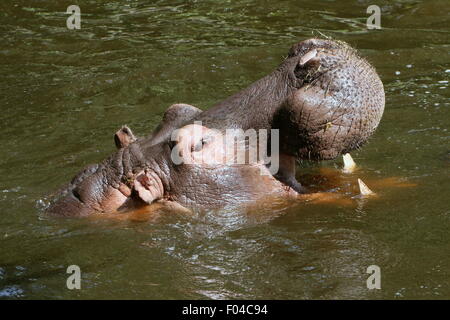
[[65, 92]]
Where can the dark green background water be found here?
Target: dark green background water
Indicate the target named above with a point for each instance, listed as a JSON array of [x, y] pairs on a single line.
[[65, 92]]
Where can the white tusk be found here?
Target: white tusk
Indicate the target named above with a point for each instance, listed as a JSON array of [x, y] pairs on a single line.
[[308, 56], [349, 164], [364, 189]]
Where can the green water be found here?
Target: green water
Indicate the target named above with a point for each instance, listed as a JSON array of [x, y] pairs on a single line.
[[65, 92]]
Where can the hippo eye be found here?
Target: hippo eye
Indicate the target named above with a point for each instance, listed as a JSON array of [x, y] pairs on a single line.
[[76, 194], [198, 147]]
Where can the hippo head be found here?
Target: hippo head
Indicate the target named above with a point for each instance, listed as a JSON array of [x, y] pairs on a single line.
[[188, 165], [336, 104]]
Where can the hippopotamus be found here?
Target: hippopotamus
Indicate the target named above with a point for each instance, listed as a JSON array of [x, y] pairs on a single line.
[[323, 100]]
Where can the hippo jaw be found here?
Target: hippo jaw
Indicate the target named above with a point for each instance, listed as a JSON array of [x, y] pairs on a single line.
[[337, 104], [323, 98]]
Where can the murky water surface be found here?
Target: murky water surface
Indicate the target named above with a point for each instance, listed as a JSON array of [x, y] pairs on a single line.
[[64, 93]]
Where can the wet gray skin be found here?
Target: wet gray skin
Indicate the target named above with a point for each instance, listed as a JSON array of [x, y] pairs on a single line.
[[324, 99]]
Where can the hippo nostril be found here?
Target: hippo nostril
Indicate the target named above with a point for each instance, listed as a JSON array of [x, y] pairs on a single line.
[[172, 144], [76, 194]]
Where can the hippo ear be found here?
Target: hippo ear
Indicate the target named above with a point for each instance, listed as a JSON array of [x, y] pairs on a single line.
[[311, 54], [148, 186], [124, 137], [308, 66]]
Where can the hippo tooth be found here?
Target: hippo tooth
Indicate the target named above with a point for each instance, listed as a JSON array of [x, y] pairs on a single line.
[[364, 189], [308, 56], [349, 164]]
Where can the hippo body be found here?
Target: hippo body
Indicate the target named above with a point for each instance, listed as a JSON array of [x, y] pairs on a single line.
[[324, 99]]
